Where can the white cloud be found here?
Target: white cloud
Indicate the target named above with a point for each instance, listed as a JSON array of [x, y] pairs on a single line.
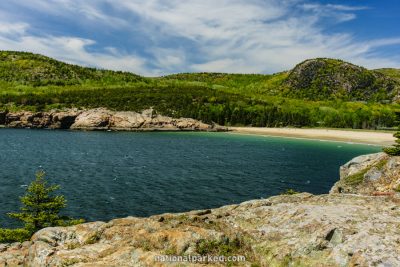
[[201, 35], [346, 8], [72, 50], [13, 28], [257, 36]]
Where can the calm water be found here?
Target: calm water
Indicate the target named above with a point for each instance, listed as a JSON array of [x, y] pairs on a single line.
[[107, 175]]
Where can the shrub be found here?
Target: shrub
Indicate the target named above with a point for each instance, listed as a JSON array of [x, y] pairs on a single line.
[[290, 192], [14, 235]]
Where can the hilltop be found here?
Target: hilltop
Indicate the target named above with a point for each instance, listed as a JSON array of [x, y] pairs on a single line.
[[37, 70], [316, 93], [313, 79], [324, 78]]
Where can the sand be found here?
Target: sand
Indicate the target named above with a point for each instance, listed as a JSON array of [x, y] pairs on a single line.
[[353, 136]]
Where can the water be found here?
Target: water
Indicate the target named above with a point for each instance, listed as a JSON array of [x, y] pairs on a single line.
[[108, 175]]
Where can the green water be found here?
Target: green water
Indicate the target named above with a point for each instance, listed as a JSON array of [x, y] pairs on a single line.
[[107, 175]]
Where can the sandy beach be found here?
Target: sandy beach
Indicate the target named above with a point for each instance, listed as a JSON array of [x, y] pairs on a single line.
[[354, 136]]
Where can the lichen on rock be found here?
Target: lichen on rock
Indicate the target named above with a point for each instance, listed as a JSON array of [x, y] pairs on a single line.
[[369, 174]]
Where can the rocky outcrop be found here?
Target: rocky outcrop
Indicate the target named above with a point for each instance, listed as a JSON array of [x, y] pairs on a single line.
[[336, 229], [297, 230], [103, 119], [375, 174], [28, 119]]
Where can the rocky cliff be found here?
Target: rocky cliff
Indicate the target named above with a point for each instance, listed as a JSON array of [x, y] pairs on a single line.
[[102, 119], [287, 230], [375, 174]]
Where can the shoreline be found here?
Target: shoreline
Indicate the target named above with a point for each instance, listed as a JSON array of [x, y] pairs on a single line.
[[348, 136]]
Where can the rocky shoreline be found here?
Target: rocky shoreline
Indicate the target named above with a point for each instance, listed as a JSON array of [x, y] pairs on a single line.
[[102, 119], [356, 224]]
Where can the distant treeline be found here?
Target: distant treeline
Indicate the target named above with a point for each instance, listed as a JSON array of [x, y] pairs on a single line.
[[318, 92], [210, 105]]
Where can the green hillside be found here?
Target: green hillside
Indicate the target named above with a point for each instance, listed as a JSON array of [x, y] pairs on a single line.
[[38, 70], [294, 98], [390, 72], [323, 78]]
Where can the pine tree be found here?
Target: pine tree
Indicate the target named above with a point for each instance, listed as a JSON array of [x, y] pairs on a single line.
[[395, 149], [41, 208]]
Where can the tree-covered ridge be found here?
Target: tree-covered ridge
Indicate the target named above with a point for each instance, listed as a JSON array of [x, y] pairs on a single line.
[[390, 72], [324, 78], [227, 99], [37, 70], [251, 85]]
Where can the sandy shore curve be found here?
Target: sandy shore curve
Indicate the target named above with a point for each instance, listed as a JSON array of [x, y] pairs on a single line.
[[354, 136]]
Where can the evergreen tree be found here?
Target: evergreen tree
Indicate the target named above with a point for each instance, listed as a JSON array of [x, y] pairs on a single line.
[[395, 150], [41, 208]]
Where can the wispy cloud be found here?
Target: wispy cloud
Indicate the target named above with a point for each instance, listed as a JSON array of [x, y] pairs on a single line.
[[156, 37], [13, 28], [70, 49]]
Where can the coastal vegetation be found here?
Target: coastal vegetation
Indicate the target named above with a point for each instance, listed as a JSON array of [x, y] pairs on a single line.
[[40, 209], [395, 149], [316, 93]]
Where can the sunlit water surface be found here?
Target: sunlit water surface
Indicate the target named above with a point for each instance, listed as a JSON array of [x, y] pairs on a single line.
[[107, 175]]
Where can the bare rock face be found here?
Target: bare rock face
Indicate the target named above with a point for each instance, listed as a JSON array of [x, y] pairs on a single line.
[[94, 119], [297, 230], [127, 121], [369, 175], [103, 119], [28, 120], [64, 119]]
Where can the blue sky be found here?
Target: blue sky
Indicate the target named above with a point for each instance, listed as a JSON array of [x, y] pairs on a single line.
[[157, 37]]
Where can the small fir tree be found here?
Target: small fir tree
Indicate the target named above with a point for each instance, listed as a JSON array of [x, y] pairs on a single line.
[[41, 207]]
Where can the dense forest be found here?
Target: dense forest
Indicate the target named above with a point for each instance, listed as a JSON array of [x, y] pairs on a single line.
[[314, 94]]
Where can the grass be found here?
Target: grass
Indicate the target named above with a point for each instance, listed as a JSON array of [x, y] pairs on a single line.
[[358, 177], [224, 247], [380, 165]]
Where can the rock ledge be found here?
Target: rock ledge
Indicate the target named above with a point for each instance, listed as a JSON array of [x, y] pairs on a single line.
[[103, 119]]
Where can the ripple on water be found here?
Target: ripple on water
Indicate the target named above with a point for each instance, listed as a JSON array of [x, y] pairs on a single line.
[[108, 175]]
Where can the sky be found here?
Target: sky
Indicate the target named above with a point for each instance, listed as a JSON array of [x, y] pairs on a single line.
[[159, 37]]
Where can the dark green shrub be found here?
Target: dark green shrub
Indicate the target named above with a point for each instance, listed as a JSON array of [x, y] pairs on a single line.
[[14, 235]]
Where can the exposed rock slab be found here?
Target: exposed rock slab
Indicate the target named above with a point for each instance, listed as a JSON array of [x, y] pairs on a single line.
[[103, 119], [369, 175], [301, 230]]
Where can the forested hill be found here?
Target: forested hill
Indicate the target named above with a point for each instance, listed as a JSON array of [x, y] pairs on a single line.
[[317, 92], [335, 79], [313, 79], [38, 70]]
